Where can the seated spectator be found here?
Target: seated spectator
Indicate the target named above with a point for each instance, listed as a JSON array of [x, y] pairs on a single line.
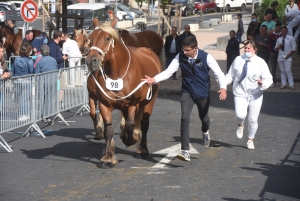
[[253, 28], [269, 23], [23, 65], [272, 11]]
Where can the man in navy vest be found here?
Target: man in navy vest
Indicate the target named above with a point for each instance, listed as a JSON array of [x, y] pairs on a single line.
[[39, 41], [195, 65]]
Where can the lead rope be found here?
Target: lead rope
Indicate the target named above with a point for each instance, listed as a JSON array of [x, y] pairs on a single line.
[[149, 92], [148, 96]]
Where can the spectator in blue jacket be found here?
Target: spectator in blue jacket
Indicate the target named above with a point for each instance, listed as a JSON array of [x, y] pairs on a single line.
[[39, 41], [185, 34], [23, 65], [45, 64], [55, 49]]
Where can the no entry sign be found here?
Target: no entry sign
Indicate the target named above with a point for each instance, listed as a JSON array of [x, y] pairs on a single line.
[[29, 11]]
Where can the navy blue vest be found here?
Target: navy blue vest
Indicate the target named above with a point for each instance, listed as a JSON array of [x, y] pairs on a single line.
[[195, 78], [38, 42]]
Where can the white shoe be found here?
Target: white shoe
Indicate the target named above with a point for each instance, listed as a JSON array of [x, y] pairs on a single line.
[[240, 132], [250, 144]]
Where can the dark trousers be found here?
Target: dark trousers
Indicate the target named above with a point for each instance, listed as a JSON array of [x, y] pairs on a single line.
[[264, 56], [239, 37], [170, 58], [273, 61], [187, 104], [230, 59]]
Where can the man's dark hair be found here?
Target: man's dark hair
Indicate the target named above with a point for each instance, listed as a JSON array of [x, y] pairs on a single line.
[[232, 31], [274, 3], [239, 15], [174, 28], [264, 26], [284, 27], [44, 34], [278, 24], [57, 34], [254, 14], [28, 32], [45, 50], [190, 41], [269, 12]]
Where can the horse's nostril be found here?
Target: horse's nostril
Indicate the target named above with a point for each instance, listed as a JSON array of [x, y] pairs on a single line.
[[94, 61]]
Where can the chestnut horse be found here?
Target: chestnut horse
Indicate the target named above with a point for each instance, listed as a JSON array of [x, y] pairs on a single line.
[[116, 72], [13, 42], [145, 38]]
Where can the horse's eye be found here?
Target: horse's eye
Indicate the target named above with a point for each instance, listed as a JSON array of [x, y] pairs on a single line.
[[107, 39]]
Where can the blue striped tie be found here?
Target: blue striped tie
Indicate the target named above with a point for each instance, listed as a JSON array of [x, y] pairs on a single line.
[[244, 73], [191, 60]]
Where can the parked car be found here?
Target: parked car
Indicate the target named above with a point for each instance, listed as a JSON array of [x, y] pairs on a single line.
[[249, 2], [208, 6], [11, 5], [135, 13], [121, 15], [231, 4], [187, 7], [18, 4]]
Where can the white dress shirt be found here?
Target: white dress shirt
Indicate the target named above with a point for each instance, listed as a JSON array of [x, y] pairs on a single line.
[[289, 45], [211, 62], [288, 8], [71, 48], [257, 69]]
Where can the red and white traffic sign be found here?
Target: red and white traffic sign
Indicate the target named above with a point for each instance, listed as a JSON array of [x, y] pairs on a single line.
[[29, 11]]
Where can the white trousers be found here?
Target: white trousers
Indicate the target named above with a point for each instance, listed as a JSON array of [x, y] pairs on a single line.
[[292, 24], [252, 104], [73, 62], [286, 72]]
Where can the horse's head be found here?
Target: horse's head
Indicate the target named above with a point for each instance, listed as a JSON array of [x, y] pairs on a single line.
[[81, 37], [102, 42]]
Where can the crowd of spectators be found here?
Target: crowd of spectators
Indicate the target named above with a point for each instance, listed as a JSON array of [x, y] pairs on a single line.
[[37, 55], [273, 45]]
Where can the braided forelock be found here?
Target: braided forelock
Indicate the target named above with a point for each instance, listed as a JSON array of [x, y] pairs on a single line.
[[110, 30]]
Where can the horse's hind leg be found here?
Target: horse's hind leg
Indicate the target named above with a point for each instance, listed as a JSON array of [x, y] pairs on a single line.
[[108, 160], [131, 132], [98, 125]]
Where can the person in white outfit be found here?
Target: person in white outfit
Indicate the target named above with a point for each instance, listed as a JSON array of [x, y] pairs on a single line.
[[290, 6], [294, 16], [251, 76], [285, 46], [71, 49]]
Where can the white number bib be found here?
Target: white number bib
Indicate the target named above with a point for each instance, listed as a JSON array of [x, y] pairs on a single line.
[[114, 85]]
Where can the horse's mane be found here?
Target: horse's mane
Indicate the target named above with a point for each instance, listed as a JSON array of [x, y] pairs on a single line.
[[81, 30], [110, 30]]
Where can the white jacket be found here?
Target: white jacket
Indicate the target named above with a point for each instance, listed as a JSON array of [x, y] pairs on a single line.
[[256, 69]]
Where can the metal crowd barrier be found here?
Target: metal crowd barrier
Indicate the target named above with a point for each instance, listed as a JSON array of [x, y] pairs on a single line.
[[26, 100]]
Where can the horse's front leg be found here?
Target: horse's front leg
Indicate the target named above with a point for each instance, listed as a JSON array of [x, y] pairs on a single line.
[[108, 160], [98, 125], [131, 132]]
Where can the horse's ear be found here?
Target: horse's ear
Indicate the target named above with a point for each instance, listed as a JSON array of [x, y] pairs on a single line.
[[114, 22]]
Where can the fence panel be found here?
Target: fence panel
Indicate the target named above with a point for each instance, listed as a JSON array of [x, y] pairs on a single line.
[[16, 102]]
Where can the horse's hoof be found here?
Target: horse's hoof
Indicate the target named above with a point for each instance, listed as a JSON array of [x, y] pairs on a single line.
[[97, 137], [105, 165]]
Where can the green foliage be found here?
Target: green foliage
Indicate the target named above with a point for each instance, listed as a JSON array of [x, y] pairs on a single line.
[[260, 10]]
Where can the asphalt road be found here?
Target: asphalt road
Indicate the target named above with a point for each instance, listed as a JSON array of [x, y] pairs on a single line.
[[64, 165]]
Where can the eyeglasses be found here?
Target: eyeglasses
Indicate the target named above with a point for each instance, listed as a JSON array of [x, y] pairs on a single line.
[[186, 50]]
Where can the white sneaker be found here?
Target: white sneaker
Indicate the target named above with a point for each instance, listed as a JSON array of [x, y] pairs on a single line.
[[240, 132], [250, 144]]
